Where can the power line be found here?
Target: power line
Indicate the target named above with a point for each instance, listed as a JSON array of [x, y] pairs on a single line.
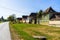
[[12, 9]]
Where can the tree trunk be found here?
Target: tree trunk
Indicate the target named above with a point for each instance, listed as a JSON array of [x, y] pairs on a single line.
[[35, 21], [38, 21]]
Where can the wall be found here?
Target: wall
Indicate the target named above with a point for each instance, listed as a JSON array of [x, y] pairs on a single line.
[[45, 20], [54, 23]]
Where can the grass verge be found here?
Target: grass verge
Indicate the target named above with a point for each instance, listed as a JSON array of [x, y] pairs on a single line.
[[26, 31]]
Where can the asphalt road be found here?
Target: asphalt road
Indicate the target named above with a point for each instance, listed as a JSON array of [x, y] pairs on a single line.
[[4, 31]]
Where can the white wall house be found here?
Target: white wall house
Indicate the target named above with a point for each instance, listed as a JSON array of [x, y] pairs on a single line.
[[50, 17]]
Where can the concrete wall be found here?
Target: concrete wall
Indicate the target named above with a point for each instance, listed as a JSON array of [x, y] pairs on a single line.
[[54, 23]]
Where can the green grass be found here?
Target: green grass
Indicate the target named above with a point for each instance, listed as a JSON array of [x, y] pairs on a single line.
[[26, 31]]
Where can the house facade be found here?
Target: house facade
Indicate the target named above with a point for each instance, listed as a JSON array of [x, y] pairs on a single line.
[[33, 18], [50, 15], [19, 20], [25, 19]]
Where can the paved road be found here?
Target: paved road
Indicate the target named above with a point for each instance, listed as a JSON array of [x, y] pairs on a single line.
[[4, 31]]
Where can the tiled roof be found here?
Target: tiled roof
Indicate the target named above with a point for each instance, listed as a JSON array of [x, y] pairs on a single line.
[[33, 14], [50, 9], [19, 18]]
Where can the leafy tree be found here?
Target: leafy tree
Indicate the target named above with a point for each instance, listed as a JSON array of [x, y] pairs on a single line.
[[2, 18], [39, 16], [12, 18]]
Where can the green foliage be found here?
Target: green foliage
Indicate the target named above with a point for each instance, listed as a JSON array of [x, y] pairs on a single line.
[[39, 15], [11, 18], [2, 19]]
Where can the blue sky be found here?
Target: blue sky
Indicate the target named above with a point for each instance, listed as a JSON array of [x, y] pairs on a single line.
[[25, 7]]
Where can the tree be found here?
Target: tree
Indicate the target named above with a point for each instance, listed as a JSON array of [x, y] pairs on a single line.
[[39, 16], [2, 18], [12, 18]]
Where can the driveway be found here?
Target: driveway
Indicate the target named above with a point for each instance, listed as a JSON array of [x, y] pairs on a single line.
[[4, 31]]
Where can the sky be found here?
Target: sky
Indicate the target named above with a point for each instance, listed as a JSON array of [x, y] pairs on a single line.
[[25, 7]]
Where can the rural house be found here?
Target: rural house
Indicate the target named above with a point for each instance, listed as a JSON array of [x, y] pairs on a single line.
[[50, 15], [25, 19], [19, 20], [33, 18]]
